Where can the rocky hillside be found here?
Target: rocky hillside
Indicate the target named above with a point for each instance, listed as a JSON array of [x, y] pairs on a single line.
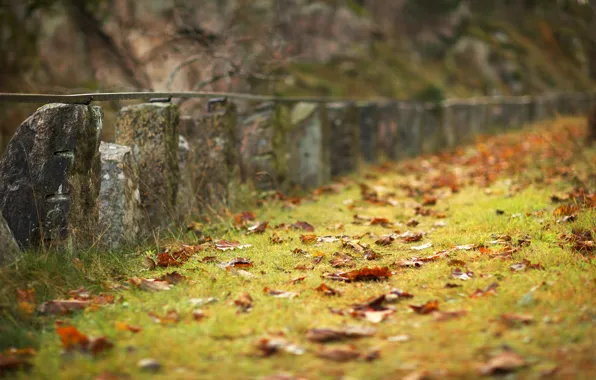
[[413, 49]]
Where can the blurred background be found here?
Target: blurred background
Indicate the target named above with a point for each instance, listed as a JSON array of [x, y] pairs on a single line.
[[406, 49]]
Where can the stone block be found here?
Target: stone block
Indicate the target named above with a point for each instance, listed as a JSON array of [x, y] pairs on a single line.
[[344, 140], [387, 135], [50, 176], [119, 199], [9, 249], [369, 120], [409, 124], [151, 130], [433, 137], [307, 141], [262, 148], [212, 159]]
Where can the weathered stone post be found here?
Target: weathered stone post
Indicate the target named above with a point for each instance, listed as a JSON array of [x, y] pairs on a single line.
[[212, 157], [119, 197], [9, 249], [307, 141], [409, 130], [344, 141], [461, 120], [369, 119], [151, 130], [49, 176], [262, 151], [434, 138], [387, 135]]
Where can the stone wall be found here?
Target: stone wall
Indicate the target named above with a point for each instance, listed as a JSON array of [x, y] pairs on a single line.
[[57, 183]]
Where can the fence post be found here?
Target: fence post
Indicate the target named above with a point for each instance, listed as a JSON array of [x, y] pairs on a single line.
[[211, 165], [49, 176], [119, 199], [151, 130], [344, 141], [369, 119]]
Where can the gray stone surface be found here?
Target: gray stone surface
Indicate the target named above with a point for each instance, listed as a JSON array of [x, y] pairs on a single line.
[[432, 137], [9, 249], [409, 130], [344, 141], [369, 119], [387, 135], [212, 159], [119, 200], [307, 141], [263, 155], [151, 130], [49, 176]]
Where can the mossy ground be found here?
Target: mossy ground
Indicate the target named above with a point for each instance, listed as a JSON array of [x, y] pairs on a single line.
[[523, 171]]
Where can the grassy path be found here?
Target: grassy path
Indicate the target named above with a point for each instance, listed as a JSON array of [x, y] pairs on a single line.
[[498, 237]]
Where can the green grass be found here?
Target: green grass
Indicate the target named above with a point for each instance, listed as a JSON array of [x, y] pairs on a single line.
[[223, 345]]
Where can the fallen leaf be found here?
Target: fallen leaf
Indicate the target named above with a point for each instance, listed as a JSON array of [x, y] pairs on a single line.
[[513, 320], [149, 284], [238, 262], [421, 247], [369, 254], [258, 228], [272, 345], [323, 335], [461, 275], [441, 316], [304, 226], [173, 278], [506, 362], [62, 306], [171, 317], [341, 260], [412, 223], [72, 339], [244, 303], [323, 288], [224, 245], [411, 237], [308, 238], [242, 218], [412, 263], [121, 326], [198, 314], [327, 239], [355, 245], [379, 221], [363, 274], [339, 354], [489, 290], [525, 265], [296, 280], [275, 239], [427, 308], [280, 293], [385, 241]]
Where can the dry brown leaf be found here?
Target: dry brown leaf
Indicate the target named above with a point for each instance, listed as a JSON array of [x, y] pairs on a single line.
[[427, 308], [121, 326], [362, 274], [244, 303], [304, 226], [505, 362], [224, 245], [323, 288], [280, 293], [308, 238], [323, 335]]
